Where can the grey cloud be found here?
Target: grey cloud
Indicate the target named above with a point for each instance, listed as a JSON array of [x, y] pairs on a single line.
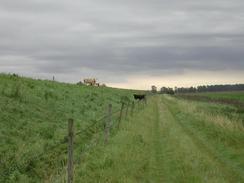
[[121, 37]]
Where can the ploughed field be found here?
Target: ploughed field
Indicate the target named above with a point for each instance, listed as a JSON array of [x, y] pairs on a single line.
[[229, 98], [239, 96]]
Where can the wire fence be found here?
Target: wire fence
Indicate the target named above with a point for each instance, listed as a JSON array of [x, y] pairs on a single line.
[[106, 125]]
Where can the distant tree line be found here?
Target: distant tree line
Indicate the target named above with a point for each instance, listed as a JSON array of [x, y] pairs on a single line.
[[167, 90], [203, 88]]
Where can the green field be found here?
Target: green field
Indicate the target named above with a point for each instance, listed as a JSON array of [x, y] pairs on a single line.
[[168, 140], [225, 95]]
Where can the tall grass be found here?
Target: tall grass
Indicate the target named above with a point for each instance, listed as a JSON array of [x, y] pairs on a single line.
[[222, 115], [165, 143], [33, 120], [221, 136]]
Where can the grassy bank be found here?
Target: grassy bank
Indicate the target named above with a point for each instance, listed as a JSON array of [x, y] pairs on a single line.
[[33, 120]]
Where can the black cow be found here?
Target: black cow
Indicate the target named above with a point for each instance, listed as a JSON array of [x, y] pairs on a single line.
[[139, 97]]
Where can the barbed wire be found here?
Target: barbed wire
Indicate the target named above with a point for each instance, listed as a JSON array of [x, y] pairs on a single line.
[[60, 142], [47, 151], [93, 124]]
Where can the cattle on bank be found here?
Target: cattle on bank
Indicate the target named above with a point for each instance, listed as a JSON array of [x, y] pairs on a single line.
[[139, 97], [90, 81]]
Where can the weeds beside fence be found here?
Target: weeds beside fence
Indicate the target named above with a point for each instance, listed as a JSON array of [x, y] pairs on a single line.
[[111, 122], [102, 128]]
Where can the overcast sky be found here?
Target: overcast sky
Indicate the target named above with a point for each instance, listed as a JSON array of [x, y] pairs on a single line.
[[124, 43]]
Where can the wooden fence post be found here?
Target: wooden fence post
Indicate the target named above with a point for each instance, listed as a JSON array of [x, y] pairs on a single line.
[[121, 113], [108, 123], [132, 108], [127, 108], [70, 167]]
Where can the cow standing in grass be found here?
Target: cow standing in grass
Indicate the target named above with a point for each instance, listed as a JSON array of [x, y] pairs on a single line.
[[140, 97], [90, 81]]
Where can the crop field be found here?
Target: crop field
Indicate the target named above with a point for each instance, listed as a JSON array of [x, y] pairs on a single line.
[[229, 98], [239, 96], [167, 140]]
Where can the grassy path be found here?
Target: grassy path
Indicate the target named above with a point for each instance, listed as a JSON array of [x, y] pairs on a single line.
[[191, 159], [161, 144], [157, 158]]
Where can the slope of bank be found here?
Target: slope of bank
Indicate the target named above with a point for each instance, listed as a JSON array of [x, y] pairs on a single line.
[[33, 118]]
